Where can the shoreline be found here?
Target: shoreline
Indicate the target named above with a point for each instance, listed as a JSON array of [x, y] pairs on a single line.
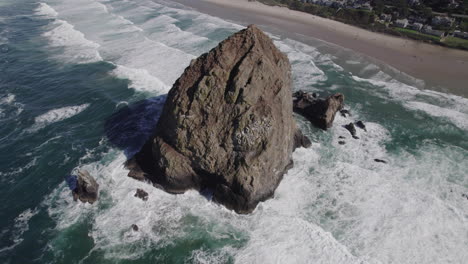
[[442, 69]]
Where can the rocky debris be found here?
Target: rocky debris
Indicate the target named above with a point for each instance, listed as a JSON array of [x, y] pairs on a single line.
[[350, 127], [86, 188], [227, 124], [380, 160], [341, 137], [140, 193], [361, 125], [320, 112], [135, 227], [300, 140], [465, 195], [341, 142], [344, 112]]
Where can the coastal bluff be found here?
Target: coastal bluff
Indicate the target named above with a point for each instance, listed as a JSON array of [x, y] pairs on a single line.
[[227, 126]]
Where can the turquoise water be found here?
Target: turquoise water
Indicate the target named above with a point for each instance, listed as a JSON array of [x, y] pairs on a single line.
[[81, 85]]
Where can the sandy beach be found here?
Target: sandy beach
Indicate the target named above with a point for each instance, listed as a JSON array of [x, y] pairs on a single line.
[[441, 68]]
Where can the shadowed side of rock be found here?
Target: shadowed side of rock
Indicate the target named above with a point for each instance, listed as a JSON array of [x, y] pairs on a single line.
[[227, 125]]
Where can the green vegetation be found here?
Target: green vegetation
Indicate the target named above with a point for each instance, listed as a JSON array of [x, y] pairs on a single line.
[[417, 35], [464, 24], [456, 42]]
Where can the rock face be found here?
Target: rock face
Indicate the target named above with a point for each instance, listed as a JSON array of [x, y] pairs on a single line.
[[320, 112], [227, 125], [86, 189]]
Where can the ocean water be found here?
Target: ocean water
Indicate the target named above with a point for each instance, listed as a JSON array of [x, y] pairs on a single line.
[[82, 83]]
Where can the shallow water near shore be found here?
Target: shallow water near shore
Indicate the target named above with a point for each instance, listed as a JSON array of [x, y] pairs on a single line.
[[68, 67]]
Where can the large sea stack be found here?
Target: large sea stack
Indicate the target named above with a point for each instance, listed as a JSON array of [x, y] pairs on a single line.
[[227, 125]]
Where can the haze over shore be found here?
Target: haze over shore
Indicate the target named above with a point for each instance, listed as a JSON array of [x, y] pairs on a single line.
[[441, 68]]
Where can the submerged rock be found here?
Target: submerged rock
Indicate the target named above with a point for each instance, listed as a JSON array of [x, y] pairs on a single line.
[[140, 193], [135, 227], [320, 112], [86, 189], [341, 142], [227, 125]]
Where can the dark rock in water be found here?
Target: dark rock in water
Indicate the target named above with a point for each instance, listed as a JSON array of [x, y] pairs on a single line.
[[350, 127], [300, 140], [341, 142], [465, 195], [86, 189], [344, 112], [227, 125], [341, 137], [135, 171], [381, 161], [361, 125], [320, 112], [140, 193], [135, 227]]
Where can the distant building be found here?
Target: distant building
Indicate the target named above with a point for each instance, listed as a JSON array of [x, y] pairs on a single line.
[[386, 17], [415, 26], [428, 30], [401, 23], [453, 4], [459, 34], [414, 2], [366, 6], [442, 21], [417, 19]]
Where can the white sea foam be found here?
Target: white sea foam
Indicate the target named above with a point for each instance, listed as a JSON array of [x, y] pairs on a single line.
[[305, 72], [78, 48], [453, 108], [57, 115], [45, 10], [91, 32], [353, 62], [9, 107], [457, 118], [141, 80], [7, 99], [21, 225]]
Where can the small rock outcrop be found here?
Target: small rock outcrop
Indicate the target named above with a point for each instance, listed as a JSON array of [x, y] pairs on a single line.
[[300, 140], [86, 188], [140, 193], [352, 129], [227, 125], [345, 112], [380, 161], [361, 125], [135, 227], [320, 112]]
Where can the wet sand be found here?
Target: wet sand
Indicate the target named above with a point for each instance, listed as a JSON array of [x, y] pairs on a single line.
[[441, 68]]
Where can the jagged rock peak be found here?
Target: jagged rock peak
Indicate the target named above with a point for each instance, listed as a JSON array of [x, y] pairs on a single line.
[[227, 124]]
